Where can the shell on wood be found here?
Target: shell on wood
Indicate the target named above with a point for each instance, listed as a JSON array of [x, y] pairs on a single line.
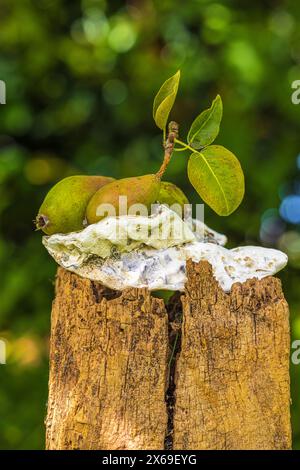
[[138, 251]]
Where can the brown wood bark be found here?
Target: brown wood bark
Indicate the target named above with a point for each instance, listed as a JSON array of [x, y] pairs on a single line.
[[108, 365], [232, 374], [228, 384]]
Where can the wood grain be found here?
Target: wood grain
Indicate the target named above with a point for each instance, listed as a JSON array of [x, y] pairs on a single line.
[[113, 386], [232, 374], [108, 365]]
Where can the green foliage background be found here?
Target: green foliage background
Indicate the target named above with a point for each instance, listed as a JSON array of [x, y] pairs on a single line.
[[81, 77]]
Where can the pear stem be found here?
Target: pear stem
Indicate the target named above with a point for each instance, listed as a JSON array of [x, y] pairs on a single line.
[[169, 147]]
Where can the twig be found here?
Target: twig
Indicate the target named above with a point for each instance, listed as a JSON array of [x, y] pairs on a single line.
[[169, 147]]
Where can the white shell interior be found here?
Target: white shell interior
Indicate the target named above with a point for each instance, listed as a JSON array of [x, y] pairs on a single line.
[[137, 251]]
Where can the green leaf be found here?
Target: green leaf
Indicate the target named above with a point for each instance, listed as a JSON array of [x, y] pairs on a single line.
[[164, 100], [218, 178], [205, 127]]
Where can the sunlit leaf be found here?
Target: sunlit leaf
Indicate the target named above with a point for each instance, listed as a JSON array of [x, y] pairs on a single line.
[[164, 100], [205, 127], [218, 178]]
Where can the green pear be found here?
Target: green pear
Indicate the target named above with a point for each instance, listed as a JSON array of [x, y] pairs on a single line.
[[170, 194], [63, 209], [138, 190]]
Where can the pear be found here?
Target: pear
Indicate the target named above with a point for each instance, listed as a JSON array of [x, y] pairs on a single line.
[[138, 190], [63, 209], [171, 195]]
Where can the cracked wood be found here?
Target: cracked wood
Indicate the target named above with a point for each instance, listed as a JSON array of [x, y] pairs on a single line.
[[108, 366], [109, 358], [232, 375]]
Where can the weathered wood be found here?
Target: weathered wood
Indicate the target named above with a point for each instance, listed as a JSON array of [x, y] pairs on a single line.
[[232, 374], [108, 365], [111, 387]]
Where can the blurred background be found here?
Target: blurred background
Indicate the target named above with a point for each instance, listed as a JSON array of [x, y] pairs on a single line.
[[80, 80]]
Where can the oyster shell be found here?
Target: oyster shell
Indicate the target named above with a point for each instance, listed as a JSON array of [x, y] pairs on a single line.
[[136, 251]]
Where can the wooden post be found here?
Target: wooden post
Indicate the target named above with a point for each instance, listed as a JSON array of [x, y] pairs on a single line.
[[209, 370], [232, 375]]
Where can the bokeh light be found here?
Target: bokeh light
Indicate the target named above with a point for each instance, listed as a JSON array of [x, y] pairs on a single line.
[[114, 92], [96, 27], [122, 36], [290, 244], [272, 227], [45, 169], [290, 209]]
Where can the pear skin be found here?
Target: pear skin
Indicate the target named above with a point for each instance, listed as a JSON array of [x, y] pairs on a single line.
[[63, 209], [170, 194], [138, 190]]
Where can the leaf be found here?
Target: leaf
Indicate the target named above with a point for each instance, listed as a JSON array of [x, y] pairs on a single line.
[[218, 178], [205, 127], [164, 100]]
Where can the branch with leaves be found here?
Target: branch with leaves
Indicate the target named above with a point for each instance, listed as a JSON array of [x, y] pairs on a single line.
[[214, 171]]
